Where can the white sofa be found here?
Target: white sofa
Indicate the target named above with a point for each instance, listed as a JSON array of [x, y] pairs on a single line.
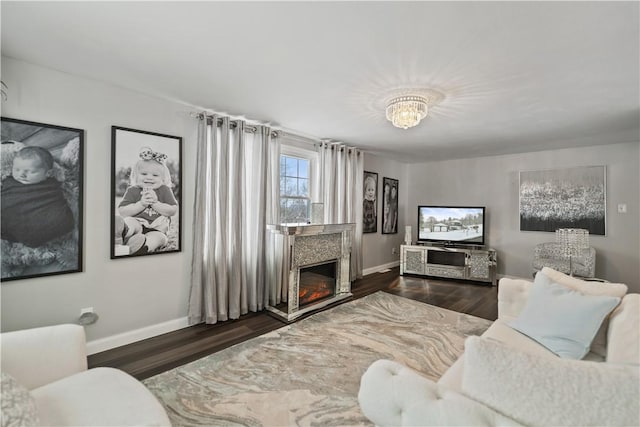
[[44, 370], [507, 378]]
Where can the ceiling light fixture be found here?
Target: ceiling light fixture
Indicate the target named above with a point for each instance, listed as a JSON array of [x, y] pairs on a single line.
[[407, 111]]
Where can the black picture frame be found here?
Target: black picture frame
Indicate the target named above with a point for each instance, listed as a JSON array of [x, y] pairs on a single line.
[[389, 206], [564, 198], [42, 221], [370, 207], [149, 231]]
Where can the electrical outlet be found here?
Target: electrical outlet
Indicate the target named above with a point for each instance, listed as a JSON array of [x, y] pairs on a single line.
[[622, 208], [87, 316], [393, 250]]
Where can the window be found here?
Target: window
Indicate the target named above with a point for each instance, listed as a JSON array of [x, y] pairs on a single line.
[[298, 186], [295, 197]]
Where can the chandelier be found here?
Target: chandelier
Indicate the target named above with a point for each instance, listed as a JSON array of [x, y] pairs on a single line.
[[407, 111]]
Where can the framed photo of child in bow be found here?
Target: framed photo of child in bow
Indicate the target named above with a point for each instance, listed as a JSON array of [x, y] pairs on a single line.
[[146, 193], [370, 203], [41, 200]]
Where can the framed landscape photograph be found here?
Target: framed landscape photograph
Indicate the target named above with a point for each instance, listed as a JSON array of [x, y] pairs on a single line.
[[146, 193], [563, 198], [41, 200], [389, 205], [369, 203]]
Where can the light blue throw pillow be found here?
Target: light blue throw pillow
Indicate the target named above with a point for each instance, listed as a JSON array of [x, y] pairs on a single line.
[[563, 320]]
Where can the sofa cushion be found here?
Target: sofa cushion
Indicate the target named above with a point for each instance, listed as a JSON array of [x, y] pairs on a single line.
[[512, 297], [558, 392], [624, 334], [498, 331], [562, 319], [17, 404], [99, 397], [599, 343]]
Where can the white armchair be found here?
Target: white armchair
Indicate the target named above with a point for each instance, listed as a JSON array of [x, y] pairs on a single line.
[[51, 363], [551, 255]]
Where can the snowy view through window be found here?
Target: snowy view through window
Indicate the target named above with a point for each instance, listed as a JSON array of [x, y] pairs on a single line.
[[451, 224], [294, 190]]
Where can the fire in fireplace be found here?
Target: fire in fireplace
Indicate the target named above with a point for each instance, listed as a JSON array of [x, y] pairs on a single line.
[[317, 282]]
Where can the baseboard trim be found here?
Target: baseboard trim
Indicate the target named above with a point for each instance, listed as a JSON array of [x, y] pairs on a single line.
[[107, 343], [118, 340], [377, 268]]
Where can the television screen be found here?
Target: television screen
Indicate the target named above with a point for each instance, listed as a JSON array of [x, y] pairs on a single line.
[[451, 224]]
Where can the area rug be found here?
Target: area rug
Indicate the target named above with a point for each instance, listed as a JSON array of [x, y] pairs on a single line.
[[308, 373]]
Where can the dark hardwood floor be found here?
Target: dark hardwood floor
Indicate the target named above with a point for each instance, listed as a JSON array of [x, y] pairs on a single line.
[[146, 358]]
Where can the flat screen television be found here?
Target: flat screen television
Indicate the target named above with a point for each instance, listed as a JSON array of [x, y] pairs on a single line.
[[455, 225]]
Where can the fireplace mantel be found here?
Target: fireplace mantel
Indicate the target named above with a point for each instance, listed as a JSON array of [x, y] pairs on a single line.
[[299, 246], [310, 229]]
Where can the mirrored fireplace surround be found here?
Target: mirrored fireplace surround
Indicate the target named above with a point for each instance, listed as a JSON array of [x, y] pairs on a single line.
[[308, 245]]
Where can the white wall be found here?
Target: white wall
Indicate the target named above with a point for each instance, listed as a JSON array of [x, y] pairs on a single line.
[[129, 293], [134, 293], [377, 247], [493, 182]]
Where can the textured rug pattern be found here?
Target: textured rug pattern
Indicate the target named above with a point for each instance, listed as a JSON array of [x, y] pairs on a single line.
[[308, 373]]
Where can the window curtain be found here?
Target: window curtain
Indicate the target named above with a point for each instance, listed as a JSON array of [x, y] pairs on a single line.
[[236, 197], [340, 174]]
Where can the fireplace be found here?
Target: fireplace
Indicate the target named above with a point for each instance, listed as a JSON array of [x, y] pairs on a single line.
[[317, 282], [310, 268]]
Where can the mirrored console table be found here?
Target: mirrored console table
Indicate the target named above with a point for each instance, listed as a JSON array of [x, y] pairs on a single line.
[[464, 263]]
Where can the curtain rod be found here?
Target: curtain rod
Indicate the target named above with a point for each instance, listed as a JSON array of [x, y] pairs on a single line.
[[232, 123], [253, 129], [279, 133], [335, 145]]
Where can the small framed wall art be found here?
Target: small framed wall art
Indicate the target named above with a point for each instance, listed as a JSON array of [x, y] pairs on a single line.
[[389, 206], [369, 203], [146, 192], [41, 200]]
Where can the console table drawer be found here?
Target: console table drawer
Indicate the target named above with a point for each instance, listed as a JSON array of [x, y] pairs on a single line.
[[413, 261], [454, 273]]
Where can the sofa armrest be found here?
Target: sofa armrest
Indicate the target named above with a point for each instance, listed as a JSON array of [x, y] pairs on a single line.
[[512, 297], [623, 336], [393, 395], [39, 356], [538, 390]]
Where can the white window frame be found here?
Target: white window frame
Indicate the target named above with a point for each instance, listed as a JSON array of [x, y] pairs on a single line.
[[304, 153]]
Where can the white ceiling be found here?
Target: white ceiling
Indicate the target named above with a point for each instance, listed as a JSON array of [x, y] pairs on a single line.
[[516, 76]]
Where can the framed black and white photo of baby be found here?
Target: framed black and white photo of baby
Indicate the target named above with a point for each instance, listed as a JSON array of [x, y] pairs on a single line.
[[146, 183], [41, 199]]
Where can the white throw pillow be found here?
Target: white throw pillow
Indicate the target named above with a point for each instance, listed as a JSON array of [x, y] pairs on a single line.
[[18, 406], [599, 343], [543, 391], [562, 319]]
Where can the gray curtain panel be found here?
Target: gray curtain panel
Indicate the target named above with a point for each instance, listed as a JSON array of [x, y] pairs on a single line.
[[341, 175], [236, 176]]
